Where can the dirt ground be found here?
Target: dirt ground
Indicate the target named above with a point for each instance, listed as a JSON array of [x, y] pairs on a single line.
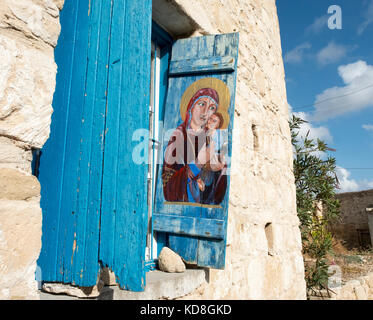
[[354, 263]]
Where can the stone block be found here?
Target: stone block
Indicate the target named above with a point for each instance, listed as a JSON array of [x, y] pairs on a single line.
[[15, 185], [369, 280], [360, 293], [346, 295], [37, 21], [169, 261], [79, 292], [370, 294], [15, 155], [20, 244], [27, 83]]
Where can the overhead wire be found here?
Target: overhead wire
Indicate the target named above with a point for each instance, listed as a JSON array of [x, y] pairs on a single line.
[[333, 98]]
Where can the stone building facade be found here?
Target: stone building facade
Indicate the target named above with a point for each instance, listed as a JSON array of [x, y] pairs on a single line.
[[263, 258], [353, 225]]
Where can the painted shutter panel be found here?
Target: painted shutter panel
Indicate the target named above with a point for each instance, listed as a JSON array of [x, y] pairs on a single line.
[[124, 187], [94, 205], [70, 170], [196, 231]]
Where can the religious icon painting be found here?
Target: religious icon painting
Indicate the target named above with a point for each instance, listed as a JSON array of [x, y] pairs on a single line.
[[195, 159], [191, 202]]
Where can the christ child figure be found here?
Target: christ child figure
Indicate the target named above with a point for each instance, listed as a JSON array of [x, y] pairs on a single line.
[[216, 160]]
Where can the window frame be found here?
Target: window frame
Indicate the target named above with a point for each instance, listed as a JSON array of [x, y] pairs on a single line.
[[162, 44]]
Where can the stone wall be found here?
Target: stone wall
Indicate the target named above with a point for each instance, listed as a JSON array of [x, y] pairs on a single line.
[[28, 34], [353, 218], [264, 258]]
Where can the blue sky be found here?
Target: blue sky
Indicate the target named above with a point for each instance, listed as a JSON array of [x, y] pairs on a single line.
[[329, 79]]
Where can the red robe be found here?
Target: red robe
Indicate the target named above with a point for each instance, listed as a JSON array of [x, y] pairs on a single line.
[[182, 150]]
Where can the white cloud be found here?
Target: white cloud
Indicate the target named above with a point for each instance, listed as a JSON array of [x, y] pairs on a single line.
[[368, 127], [347, 184], [321, 132], [368, 18], [312, 132], [357, 93], [318, 25], [332, 53], [297, 54]]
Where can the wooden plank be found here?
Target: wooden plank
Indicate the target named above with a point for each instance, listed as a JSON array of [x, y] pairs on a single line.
[[73, 136], [124, 210], [112, 139], [132, 195], [86, 266], [197, 227], [211, 253], [202, 65], [51, 170]]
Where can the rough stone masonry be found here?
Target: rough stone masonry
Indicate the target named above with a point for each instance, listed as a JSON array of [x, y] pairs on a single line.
[[353, 223], [264, 258], [28, 34]]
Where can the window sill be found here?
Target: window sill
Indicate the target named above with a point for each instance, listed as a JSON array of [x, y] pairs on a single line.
[[159, 285]]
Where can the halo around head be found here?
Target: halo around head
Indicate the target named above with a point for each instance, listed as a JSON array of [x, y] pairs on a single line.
[[213, 83]]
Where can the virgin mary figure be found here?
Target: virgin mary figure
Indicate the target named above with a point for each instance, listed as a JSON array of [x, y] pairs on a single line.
[[187, 156]]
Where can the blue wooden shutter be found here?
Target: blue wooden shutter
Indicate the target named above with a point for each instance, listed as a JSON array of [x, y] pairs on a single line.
[[70, 164], [93, 198], [124, 188], [197, 231]]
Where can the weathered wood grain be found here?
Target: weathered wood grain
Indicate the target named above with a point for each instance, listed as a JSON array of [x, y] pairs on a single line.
[[93, 194], [201, 65], [194, 59], [124, 188], [198, 227]]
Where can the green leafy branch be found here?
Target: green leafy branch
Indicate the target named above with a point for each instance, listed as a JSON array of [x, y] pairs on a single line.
[[317, 206]]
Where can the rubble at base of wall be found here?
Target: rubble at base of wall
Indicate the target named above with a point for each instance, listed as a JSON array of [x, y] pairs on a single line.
[[358, 289]]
